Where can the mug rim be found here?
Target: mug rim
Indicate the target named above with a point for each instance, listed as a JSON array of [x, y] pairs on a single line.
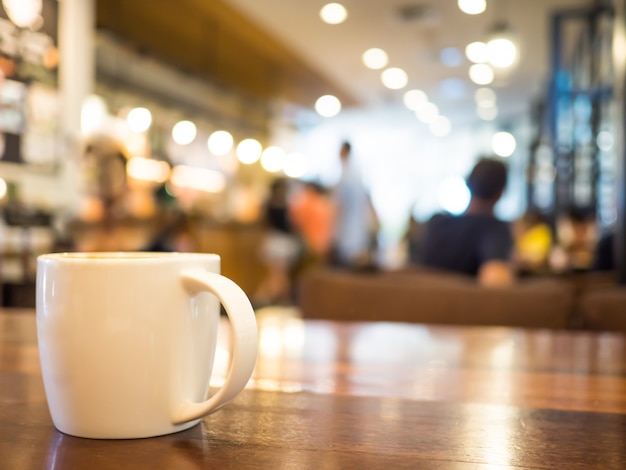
[[124, 256]]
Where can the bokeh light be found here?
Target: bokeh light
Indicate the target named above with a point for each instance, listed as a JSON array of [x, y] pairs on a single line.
[[139, 119], [273, 159], [394, 78], [477, 52], [220, 142], [295, 165], [375, 58], [481, 74], [333, 13], [503, 144], [413, 99], [328, 106], [472, 7], [249, 151], [184, 132], [501, 52]]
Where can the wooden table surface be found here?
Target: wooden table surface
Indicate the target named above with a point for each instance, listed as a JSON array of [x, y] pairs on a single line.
[[367, 395]]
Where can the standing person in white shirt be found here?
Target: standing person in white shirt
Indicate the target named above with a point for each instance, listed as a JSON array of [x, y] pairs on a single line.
[[354, 222]]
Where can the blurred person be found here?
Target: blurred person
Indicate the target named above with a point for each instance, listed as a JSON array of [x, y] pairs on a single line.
[[175, 235], [110, 218], [533, 243], [280, 249], [604, 254], [577, 236], [475, 243], [355, 221], [312, 214]]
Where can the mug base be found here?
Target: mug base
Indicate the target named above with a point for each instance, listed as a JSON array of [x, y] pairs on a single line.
[[121, 435]]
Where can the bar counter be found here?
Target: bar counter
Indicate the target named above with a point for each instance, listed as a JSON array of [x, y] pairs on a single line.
[[329, 395]]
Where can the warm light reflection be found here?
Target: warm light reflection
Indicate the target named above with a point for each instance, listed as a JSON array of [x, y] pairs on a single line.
[[273, 159], [375, 58], [3, 188], [281, 337], [481, 74], [220, 142], [413, 99], [394, 78], [328, 106], [333, 13], [503, 144], [472, 7], [184, 132], [295, 165], [495, 427], [139, 119], [477, 52], [147, 169], [201, 179], [249, 151]]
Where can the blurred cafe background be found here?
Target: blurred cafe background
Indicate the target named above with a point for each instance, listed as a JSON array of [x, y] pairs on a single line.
[[218, 126]]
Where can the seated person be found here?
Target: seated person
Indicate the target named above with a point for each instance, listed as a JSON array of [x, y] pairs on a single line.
[[475, 243]]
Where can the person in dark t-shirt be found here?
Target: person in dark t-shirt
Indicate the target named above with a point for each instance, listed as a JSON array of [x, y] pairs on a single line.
[[475, 243]]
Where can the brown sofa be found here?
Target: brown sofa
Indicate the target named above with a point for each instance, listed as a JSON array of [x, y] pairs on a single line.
[[432, 297], [604, 309]]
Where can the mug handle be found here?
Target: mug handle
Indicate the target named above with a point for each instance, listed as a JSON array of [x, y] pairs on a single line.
[[244, 336]]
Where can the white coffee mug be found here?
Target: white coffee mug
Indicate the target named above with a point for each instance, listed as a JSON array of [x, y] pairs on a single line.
[[127, 340]]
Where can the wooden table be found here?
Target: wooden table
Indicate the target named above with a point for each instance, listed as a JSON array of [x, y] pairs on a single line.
[[371, 395]]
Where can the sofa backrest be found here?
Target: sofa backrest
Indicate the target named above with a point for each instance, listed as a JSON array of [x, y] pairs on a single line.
[[428, 297]]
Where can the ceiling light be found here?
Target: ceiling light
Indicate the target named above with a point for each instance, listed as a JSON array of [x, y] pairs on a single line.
[[427, 113], [485, 97], [503, 144], [184, 132], [328, 106], [472, 7], [502, 52], [487, 114], [139, 119], [414, 98], [220, 142], [375, 58], [394, 78], [440, 127], [249, 151], [477, 52], [481, 74], [273, 159], [333, 13], [295, 165]]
